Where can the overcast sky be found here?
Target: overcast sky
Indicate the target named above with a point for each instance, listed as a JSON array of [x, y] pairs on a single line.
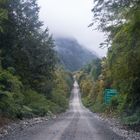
[[70, 18]]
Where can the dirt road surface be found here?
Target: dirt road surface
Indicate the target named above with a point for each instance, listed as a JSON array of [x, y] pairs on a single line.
[[78, 123]]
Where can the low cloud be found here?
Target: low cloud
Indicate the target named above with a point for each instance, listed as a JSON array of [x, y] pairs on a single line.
[[70, 18]]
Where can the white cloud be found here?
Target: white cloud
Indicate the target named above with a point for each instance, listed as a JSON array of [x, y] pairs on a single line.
[[71, 18]]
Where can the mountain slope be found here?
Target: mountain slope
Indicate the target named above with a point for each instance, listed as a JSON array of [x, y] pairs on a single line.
[[72, 55]]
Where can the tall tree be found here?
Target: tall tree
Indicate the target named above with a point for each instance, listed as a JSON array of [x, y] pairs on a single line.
[[120, 19], [25, 46]]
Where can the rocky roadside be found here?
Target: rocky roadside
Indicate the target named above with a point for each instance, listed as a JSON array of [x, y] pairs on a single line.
[[113, 123], [22, 124], [118, 128]]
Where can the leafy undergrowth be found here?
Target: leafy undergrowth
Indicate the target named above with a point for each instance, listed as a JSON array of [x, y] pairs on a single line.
[[92, 97], [18, 103], [131, 122]]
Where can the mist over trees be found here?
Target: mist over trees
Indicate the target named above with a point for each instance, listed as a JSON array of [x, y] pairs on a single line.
[[72, 55]]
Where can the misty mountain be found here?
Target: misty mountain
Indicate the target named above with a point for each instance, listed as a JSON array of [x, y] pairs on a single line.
[[72, 55]]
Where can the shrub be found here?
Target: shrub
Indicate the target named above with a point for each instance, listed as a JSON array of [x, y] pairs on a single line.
[[26, 112], [99, 107], [122, 103], [87, 102], [37, 103], [131, 120], [59, 99], [114, 103], [19, 101], [11, 98], [7, 105]]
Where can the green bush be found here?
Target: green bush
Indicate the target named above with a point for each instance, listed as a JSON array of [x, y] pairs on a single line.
[[95, 107], [25, 112], [59, 99], [9, 82], [11, 98], [87, 102], [114, 103], [122, 103], [8, 106], [19, 101], [54, 108], [131, 120], [38, 103], [98, 107], [69, 81]]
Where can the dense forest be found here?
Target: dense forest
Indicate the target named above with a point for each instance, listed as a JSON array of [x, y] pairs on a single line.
[[120, 69], [31, 83]]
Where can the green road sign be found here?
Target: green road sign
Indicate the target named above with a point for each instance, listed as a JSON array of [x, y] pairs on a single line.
[[108, 94]]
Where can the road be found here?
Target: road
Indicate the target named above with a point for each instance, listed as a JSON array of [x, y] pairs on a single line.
[[78, 123]]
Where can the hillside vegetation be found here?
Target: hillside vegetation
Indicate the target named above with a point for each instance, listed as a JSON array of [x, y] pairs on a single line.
[[72, 55], [120, 70], [30, 82]]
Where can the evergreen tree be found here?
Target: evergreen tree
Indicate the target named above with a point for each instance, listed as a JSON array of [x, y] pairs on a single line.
[[25, 46]]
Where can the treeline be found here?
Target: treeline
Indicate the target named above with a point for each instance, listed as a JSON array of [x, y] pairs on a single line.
[[92, 86], [120, 20], [31, 83]]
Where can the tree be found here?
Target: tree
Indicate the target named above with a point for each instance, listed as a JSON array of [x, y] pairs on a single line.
[[120, 19], [3, 14], [26, 47], [111, 15]]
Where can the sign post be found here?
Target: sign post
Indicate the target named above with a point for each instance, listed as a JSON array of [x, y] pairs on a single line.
[[108, 94]]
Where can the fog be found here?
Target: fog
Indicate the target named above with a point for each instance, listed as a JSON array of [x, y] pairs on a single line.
[[70, 18]]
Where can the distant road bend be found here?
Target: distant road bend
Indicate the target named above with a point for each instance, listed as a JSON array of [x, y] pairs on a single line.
[[78, 123]]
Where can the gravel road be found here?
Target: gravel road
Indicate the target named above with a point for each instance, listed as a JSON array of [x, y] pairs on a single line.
[[78, 123]]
